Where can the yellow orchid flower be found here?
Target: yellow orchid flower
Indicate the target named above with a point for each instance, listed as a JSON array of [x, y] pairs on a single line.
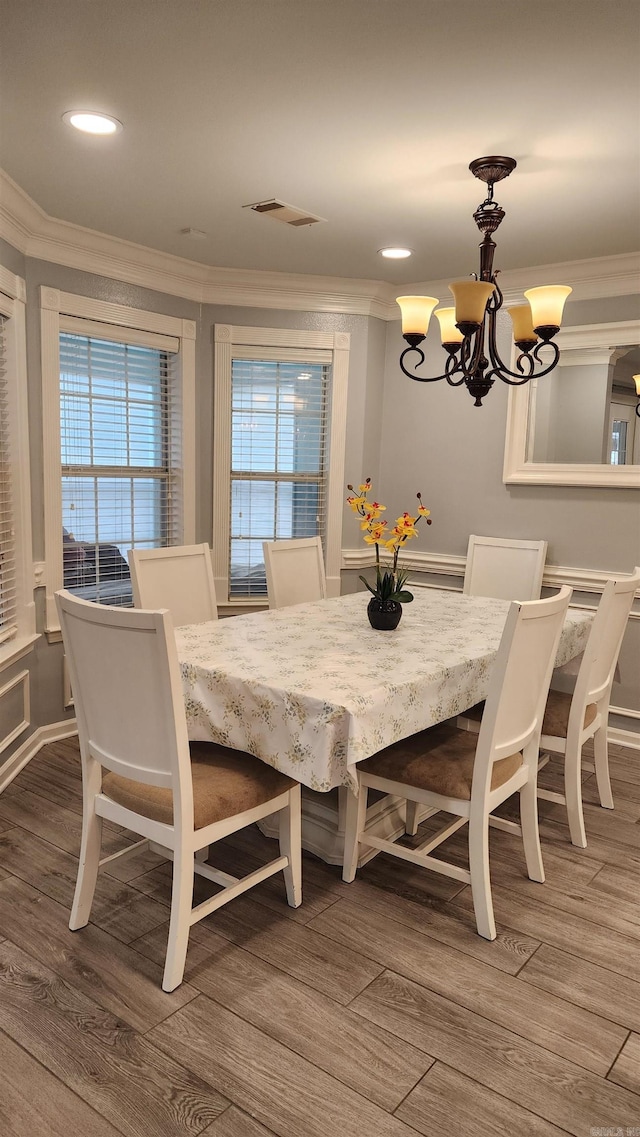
[[375, 532], [356, 503]]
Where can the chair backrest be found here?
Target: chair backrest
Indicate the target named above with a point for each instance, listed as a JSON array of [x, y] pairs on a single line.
[[504, 568], [295, 571], [179, 578], [520, 679], [597, 669], [128, 694]]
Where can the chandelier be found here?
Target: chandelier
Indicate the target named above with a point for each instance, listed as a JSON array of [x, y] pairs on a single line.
[[468, 331]]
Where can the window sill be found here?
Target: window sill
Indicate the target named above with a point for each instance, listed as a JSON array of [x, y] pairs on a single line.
[[13, 650], [237, 607]]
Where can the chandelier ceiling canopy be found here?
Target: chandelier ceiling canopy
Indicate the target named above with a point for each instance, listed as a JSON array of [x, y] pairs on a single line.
[[468, 330]]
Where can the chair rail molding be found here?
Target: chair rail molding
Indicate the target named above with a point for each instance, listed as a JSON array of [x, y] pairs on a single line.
[[26, 226], [447, 564], [23, 723]]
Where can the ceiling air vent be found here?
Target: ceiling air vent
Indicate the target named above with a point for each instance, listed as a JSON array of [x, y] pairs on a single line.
[[280, 211]]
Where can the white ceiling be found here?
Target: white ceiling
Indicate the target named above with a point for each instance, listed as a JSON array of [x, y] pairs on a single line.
[[365, 112]]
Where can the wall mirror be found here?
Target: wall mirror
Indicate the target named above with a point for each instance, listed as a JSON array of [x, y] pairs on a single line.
[[578, 426]]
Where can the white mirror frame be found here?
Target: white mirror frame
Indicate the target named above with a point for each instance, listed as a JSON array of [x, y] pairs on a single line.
[[517, 470]]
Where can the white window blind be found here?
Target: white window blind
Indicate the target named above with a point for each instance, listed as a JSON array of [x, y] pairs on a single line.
[[8, 586], [279, 461], [120, 460]]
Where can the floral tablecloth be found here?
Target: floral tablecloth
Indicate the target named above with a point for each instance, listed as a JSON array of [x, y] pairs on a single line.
[[312, 689]]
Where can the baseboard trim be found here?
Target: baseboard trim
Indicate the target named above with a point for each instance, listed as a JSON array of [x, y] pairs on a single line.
[[53, 732], [621, 737]]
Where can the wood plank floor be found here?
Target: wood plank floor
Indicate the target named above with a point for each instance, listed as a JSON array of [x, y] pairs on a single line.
[[374, 1010]]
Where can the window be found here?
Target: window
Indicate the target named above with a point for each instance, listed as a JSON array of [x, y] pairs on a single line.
[[17, 611], [279, 421], [118, 389], [117, 461], [279, 417]]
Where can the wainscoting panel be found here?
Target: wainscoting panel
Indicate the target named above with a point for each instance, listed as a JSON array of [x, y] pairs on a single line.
[[14, 708]]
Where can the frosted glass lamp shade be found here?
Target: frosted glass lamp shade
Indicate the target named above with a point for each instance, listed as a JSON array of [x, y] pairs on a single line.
[[522, 323], [448, 331], [416, 313], [547, 303], [471, 298]]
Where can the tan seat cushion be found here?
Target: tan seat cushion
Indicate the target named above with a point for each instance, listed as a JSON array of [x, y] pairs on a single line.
[[556, 715], [440, 760], [225, 782]]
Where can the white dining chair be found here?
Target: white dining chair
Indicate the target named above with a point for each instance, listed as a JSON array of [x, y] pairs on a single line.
[[505, 568], [570, 720], [138, 770], [468, 775], [295, 571], [179, 577]]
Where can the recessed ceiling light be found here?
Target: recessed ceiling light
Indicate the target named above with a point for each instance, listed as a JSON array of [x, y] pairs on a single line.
[[92, 123], [395, 254]]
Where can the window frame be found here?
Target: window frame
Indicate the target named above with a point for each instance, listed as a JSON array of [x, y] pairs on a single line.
[[231, 342], [13, 297], [62, 311]]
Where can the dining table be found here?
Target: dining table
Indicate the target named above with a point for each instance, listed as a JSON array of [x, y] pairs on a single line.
[[312, 689]]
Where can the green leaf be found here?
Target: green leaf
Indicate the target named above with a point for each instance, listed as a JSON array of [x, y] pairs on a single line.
[[373, 591], [403, 597]]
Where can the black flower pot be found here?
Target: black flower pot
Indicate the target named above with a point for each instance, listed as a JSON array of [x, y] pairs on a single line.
[[384, 615]]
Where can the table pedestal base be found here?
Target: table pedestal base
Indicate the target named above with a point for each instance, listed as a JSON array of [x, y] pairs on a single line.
[[323, 823]]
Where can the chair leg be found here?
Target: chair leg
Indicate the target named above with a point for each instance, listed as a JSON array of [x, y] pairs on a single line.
[[180, 921], [411, 822], [530, 832], [573, 794], [480, 879], [354, 824], [88, 867], [601, 752], [290, 833]]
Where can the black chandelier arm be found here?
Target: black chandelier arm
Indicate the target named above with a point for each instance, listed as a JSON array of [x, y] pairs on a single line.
[[472, 350], [497, 366], [556, 355], [495, 301], [456, 382], [525, 359], [503, 371], [425, 378]]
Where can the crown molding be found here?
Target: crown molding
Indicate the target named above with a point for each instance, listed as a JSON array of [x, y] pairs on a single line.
[[593, 279], [29, 229], [35, 234]]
